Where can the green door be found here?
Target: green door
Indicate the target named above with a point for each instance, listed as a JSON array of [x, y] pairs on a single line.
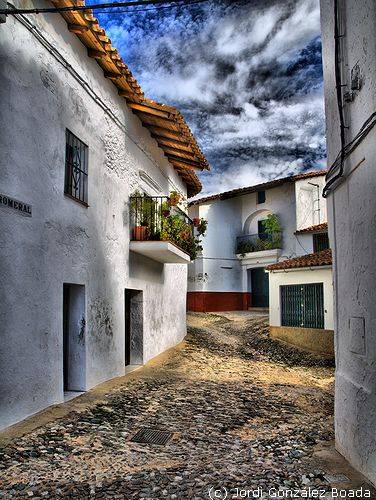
[[303, 305], [260, 287]]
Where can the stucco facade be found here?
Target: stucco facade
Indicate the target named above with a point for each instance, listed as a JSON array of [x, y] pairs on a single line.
[[301, 276], [351, 214], [220, 269], [64, 242]]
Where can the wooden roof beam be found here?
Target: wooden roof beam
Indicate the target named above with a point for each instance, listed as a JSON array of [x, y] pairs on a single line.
[[77, 28], [153, 120], [172, 143], [177, 152], [126, 94], [165, 133], [184, 162], [96, 54], [112, 76], [151, 111]]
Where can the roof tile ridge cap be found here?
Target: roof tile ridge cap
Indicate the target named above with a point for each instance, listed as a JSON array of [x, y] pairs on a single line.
[[311, 173]]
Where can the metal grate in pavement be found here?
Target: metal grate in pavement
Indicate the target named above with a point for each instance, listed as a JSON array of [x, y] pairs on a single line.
[[336, 478], [152, 436]]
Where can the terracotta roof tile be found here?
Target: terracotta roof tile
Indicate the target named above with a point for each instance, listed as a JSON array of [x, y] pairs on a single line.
[[165, 123], [313, 229], [265, 185], [323, 258]]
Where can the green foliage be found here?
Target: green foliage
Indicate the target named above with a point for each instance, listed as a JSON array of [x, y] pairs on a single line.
[[167, 223], [272, 224], [175, 198], [202, 226], [178, 231], [271, 238]]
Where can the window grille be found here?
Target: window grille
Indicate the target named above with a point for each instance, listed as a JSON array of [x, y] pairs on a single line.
[[320, 242], [303, 305], [76, 168]]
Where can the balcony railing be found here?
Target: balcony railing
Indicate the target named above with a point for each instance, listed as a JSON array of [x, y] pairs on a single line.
[[154, 218], [258, 242]]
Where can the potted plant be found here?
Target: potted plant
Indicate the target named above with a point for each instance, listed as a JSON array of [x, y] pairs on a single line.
[[201, 226], [141, 209], [140, 232], [175, 198], [165, 209]]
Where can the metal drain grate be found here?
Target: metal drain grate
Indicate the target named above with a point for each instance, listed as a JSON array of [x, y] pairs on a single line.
[[152, 436], [336, 478]]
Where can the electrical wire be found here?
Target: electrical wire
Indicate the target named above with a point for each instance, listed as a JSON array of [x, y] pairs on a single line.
[[76, 8], [34, 30], [338, 80], [150, 9], [365, 129]]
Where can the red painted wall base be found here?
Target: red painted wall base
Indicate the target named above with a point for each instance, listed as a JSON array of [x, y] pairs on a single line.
[[218, 301]]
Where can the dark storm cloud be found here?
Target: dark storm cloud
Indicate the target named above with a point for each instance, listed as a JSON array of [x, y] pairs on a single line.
[[246, 75]]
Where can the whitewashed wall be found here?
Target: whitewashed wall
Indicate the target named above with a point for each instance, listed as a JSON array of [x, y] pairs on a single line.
[[300, 277], [310, 204], [219, 269], [65, 242], [352, 232]]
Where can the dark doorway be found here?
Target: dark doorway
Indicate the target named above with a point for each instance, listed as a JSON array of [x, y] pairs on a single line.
[[133, 301], [261, 229], [74, 351], [260, 287]]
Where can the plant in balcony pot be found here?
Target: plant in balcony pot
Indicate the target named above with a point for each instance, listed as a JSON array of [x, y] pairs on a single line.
[[272, 227], [175, 198], [202, 226], [165, 209], [139, 212]]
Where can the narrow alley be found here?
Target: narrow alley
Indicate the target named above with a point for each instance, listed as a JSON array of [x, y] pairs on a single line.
[[245, 412]]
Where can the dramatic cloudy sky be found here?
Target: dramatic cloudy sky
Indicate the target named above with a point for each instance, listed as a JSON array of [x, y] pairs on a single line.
[[246, 75]]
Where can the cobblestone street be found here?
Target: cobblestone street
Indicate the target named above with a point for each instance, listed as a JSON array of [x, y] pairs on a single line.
[[246, 413]]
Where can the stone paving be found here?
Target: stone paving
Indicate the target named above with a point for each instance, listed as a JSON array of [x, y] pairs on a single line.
[[247, 413]]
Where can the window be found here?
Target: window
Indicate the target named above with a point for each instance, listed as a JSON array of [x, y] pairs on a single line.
[[320, 242], [76, 160], [303, 305], [261, 197]]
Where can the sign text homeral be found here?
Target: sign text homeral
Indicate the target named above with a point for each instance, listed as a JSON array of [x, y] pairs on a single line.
[[19, 206]]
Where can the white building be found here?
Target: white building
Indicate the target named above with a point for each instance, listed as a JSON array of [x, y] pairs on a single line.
[[230, 273], [77, 138], [301, 298], [349, 56]]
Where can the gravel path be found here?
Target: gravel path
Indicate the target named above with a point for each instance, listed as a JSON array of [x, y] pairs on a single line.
[[246, 413]]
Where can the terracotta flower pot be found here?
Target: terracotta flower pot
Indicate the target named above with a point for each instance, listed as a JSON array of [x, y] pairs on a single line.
[[140, 233]]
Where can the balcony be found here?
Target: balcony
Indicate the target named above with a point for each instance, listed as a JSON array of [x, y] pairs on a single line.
[[256, 250], [160, 230]]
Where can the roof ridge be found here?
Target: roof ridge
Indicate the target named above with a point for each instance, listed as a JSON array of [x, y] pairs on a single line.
[[315, 259], [250, 189]]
